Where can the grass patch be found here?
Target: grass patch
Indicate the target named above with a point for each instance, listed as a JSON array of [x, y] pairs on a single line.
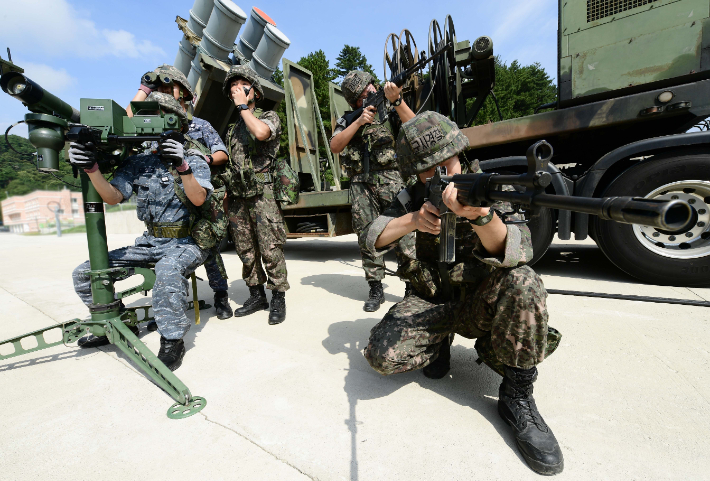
[[65, 230], [73, 230]]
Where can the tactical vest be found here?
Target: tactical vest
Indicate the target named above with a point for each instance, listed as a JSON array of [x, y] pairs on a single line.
[[245, 182], [371, 149], [248, 183]]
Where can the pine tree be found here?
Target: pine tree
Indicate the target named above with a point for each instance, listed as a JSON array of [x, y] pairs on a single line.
[[351, 58]]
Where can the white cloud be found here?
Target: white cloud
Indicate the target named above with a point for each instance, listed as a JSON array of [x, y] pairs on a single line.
[[123, 44], [51, 79], [55, 27], [520, 17]]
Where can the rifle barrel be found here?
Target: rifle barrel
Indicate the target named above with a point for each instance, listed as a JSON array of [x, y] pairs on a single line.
[[671, 216]]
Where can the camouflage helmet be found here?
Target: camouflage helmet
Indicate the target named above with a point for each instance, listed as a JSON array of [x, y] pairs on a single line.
[[354, 83], [169, 104], [245, 72], [178, 77], [427, 140]]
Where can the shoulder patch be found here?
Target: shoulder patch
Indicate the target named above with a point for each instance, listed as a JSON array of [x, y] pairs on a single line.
[[406, 200]]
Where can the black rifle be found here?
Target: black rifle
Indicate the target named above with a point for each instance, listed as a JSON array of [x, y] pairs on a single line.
[[483, 189], [377, 99]]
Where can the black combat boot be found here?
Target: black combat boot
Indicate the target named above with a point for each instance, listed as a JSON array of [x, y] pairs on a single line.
[[96, 341], [152, 326], [256, 302], [171, 352], [534, 438], [278, 308], [377, 297], [441, 366], [221, 305]]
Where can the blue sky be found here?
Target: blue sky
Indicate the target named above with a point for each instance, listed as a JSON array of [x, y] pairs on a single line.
[[79, 48]]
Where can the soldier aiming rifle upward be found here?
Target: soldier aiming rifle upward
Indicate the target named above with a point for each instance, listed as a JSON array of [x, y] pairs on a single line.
[[368, 157]]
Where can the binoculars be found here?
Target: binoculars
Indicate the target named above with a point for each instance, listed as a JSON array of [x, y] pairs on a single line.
[[152, 78]]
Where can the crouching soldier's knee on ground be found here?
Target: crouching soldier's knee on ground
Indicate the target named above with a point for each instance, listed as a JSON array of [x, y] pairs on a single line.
[[382, 358]]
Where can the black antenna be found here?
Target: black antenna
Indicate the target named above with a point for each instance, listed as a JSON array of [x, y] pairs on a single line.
[[9, 56]]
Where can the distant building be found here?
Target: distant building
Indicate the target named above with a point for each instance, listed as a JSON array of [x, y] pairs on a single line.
[[35, 211]]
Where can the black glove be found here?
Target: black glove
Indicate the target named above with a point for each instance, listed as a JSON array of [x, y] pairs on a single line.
[[172, 151], [82, 156]]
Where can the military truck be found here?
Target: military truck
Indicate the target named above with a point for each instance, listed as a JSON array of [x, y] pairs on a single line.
[[633, 81]]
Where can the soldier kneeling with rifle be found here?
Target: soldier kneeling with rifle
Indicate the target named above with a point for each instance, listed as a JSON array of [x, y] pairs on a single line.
[[487, 293], [168, 186]]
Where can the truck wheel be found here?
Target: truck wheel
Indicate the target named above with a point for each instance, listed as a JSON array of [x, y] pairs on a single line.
[[542, 231], [659, 257]]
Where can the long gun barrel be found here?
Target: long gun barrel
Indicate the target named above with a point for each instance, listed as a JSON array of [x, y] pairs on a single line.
[[483, 189], [36, 98]]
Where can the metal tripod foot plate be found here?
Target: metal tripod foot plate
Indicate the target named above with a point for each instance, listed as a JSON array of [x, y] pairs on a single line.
[[181, 411]]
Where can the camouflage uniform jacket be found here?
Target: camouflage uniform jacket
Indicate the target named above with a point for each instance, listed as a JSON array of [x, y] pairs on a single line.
[[245, 147], [383, 158], [204, 133], [473, 262], [148, 177]]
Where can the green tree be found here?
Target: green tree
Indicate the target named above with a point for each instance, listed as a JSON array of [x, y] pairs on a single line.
[[351, 58], [519, 90], [278, 78], [19, 174]]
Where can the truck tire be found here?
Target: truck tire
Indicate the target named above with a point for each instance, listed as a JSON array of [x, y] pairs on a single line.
[[542, 231], [652, 256]]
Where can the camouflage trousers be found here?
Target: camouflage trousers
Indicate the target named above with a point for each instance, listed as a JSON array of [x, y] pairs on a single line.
[[368, 202], [256, 225], [174, 261], [217, 281], [506, 314]]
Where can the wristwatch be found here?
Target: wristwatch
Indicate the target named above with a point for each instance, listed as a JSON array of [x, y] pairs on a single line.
[[210, 159], [483, 220], [242, 107], [185, 172], [397, 102]]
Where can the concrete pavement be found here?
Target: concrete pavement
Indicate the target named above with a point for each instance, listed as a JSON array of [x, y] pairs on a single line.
[[627, 393]]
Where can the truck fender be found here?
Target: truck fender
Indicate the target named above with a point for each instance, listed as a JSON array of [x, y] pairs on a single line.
[[587, 185], [564, 219]]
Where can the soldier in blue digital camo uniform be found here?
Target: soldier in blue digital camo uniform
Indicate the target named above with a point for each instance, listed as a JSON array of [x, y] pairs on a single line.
[[167, 241], [367, 154], [215, 154], [487, 293], [256, 222]]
